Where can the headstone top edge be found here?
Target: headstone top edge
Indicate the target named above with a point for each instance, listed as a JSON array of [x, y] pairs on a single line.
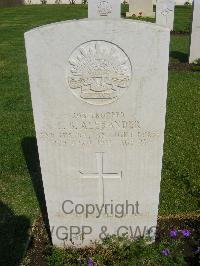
[[101, 21]]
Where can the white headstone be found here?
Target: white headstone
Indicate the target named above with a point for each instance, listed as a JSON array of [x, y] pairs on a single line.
[[142, 8], [101, 9], [165, 13], [99, 100], [195, 35]]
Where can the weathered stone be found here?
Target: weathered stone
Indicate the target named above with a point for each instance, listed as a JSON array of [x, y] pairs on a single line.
[[99, 100], [195, 34], [165, 13], [101, 9], [142, 8]]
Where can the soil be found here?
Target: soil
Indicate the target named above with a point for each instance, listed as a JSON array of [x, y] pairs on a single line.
[[180, 33], [40, 242], [181, 67]]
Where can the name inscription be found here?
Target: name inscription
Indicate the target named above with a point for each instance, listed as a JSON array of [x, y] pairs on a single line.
[[100, 128]]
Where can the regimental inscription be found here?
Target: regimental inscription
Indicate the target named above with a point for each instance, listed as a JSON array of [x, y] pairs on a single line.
[[99, 72], [98, 129], [104, 8]]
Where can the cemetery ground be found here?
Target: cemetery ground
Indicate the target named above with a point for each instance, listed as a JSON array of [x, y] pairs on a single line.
[[22, 200]]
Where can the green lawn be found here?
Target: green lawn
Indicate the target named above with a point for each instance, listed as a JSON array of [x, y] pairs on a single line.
[[180, 189], [179, 48], [21, 196], [182, 19]]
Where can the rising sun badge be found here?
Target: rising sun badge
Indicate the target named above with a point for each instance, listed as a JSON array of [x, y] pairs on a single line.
[[99, 72]]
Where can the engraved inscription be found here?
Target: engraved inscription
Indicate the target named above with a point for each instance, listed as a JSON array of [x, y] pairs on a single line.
[[101, 175], [167, 7], [98, 128], [104, 8], [99, 72]]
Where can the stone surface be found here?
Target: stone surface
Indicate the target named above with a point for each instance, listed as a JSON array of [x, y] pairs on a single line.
[[165, 13], [195, 34], [99, 100], [142, 8], [101, 9]]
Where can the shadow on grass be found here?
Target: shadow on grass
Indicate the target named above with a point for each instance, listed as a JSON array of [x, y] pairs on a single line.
[[14, 236], [10, 3], [181, 57], [30, 150]]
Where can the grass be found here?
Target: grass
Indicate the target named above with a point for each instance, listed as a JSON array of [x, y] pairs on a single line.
[[182, 19], [20, 183], [180, 188], [118, 251], [179, 48]]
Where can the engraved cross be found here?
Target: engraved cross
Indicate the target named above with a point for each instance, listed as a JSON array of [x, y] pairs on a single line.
[[101, 175]]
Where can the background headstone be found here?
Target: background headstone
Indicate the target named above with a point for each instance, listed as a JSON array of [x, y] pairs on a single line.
[[195, 34], [142, 8], [165, 13], [99, 102], [101, 9]]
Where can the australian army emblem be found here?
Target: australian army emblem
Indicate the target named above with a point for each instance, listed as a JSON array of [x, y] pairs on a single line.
[[99, 72]]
